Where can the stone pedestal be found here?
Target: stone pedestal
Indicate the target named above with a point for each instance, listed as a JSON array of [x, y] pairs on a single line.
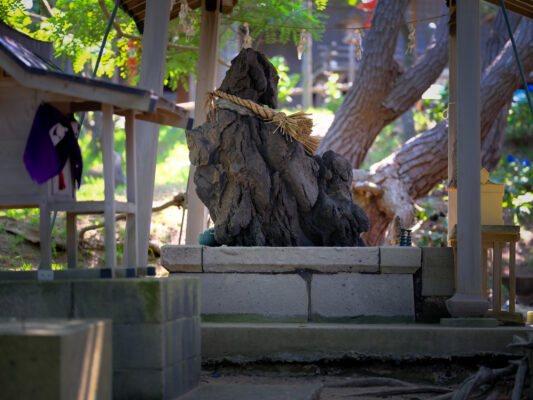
[[156, 326], [55, 359]]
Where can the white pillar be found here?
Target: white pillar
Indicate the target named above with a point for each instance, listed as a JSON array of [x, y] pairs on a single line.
[[452, 129], [468, 300], [307, 69], [153, 62], [205, 78]]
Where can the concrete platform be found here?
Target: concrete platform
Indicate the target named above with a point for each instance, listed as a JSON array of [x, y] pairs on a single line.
[[248, 342], [304, 284], [255, 392]]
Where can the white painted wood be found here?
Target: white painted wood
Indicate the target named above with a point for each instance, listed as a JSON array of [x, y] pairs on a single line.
[[307, 69], [497, 277], [107, 141], [452, 132], [44, 229], [72, 241], [468, 300], [131, 247], [153, 62], [206, 73], [90, 207]]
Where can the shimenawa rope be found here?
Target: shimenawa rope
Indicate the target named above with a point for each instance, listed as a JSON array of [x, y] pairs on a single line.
[[296, 126]]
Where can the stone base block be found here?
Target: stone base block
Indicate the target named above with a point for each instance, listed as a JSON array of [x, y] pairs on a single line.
[[282, 297], [55, 359], [156, 325], [353, 295]]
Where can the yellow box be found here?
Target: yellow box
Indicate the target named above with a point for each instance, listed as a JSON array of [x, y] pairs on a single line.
[[491, 200]]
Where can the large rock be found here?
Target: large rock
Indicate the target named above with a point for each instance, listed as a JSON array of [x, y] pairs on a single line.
[[261, 188]]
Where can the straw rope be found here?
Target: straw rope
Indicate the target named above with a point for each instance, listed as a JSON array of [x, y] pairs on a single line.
[[297, 126]]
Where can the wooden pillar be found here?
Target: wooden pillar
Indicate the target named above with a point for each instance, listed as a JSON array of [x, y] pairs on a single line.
[[131, 237], [109, 188], [452, 125], [307, 69], [468, 300], [205, 78], [153, 62]]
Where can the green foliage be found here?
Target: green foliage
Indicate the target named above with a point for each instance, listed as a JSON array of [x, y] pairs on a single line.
[[334, 95], [520, 124], [10, 7], [388, 141], [518, 195], [432, 111], [77, 27], [286, 82], [279, 21]]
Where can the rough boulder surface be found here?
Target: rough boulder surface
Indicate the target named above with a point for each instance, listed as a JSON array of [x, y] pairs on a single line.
[[261, 188]]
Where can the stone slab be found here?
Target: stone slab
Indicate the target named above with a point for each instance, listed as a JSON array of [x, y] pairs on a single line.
[[437, 271], [353, 295], [470, 322], [35, 299], [271, 296], [122, 300], [399, 260], [312, 342], [212, 391], [152, 383], [55, 359], [176, 258], [290, 259]]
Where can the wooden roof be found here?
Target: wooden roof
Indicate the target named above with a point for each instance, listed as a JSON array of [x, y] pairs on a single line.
[[522, 7], [137, 8], [18, 65]]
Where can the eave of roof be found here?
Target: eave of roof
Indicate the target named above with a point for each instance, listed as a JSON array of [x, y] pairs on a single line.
[[85, 90], [522, 7], [137, 9]]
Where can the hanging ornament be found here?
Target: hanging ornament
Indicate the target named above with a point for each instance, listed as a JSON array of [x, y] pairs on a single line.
[[301, 44], [411, 45], [358, 41], [186, 24], [247, 40]]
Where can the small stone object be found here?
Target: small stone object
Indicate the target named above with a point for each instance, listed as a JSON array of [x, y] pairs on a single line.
[[261, 187], [405, 237]]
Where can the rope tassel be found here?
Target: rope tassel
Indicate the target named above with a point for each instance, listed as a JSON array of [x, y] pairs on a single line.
[[297, 126]]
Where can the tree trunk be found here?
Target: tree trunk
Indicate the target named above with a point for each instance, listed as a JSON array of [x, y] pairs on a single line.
[[392, 185], [382, 91]]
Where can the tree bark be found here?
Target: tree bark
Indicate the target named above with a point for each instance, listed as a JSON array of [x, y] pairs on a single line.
[[382, 91], [392, 185]]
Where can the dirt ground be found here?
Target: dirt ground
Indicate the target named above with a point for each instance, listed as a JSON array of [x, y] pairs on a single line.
[[365, 379]]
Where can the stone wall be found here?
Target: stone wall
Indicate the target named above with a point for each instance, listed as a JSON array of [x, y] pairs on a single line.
[[156, 326]]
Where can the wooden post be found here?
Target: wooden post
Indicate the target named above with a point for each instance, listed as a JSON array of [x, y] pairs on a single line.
[[307, 69], [72, 241], [452, 127], [45, 235], [109, 188], [206, 73], [468, 300], [131, 244], [153, 62]]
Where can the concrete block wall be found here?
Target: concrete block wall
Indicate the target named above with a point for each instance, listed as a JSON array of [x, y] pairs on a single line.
[[301, 284], [55, 359], [156, 326]]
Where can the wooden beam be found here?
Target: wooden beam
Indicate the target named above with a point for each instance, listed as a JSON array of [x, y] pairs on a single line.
[[206, 73], [153, 61], [131, 237], [109, 188], [468, 300]]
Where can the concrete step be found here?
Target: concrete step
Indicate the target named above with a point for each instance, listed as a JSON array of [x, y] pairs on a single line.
[[249, 342], [211, 391]]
